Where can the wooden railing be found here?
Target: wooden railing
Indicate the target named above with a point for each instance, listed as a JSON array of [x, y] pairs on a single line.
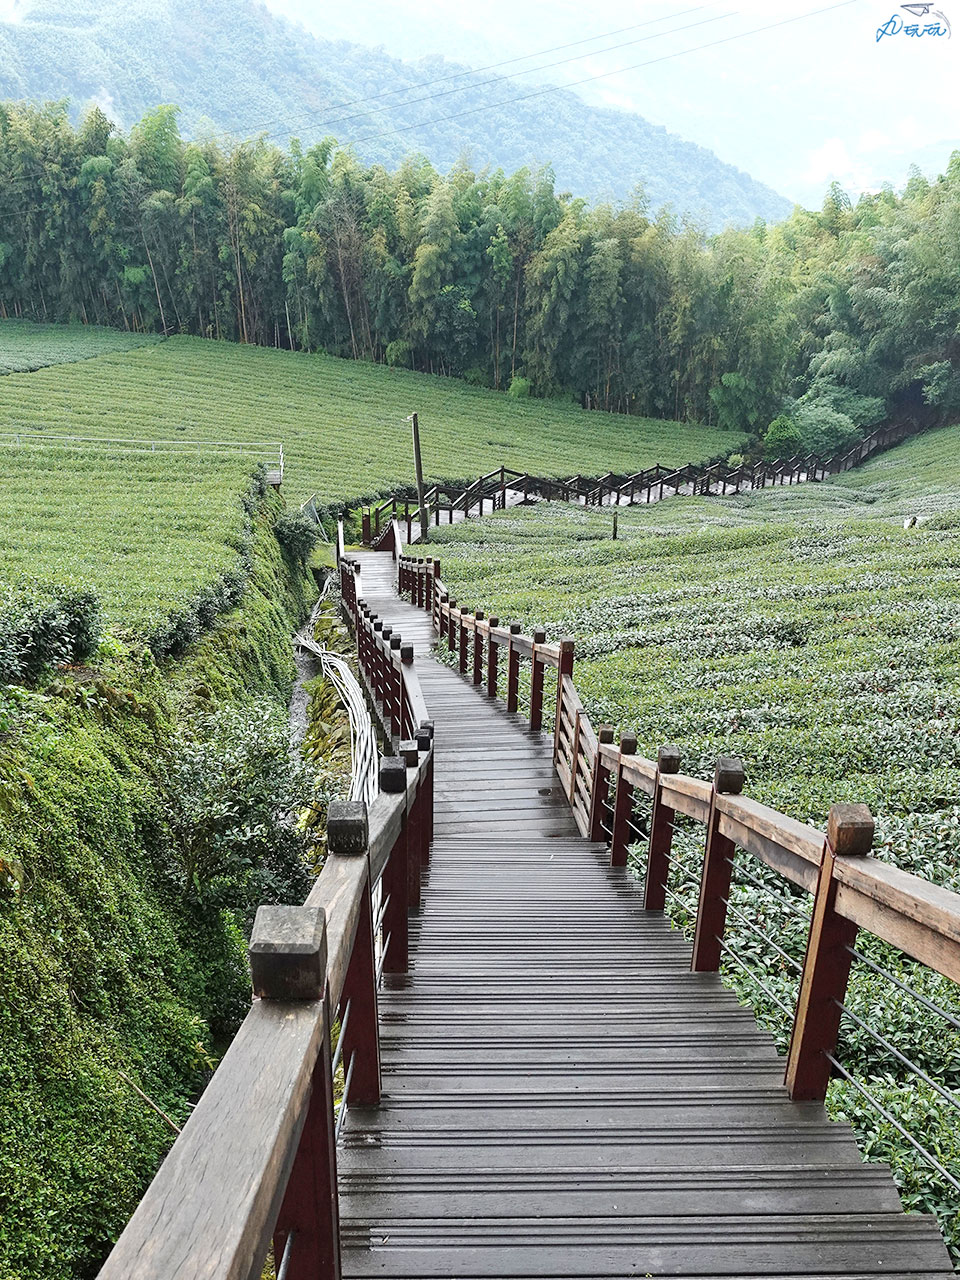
[[498, 489], [256, 1163], [624, 800]]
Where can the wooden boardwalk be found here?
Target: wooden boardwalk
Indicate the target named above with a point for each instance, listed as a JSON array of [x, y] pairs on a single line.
[[561, 1095]]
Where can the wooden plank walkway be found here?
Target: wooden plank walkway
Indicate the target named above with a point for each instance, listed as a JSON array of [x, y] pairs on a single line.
[[561, 1095]]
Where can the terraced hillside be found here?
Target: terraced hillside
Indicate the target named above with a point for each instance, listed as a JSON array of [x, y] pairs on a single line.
[[342, 423], [807, 631], [147, 528]]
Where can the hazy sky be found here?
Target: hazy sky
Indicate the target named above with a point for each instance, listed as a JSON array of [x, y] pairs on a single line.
[[797, 107]]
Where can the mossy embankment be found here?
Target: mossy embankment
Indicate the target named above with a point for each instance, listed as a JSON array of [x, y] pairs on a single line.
[[114, 971]]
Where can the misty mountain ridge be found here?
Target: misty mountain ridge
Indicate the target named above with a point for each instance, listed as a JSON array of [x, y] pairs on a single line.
[[234, 68]]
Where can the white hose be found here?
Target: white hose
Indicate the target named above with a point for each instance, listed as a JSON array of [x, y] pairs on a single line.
[[364, 755]]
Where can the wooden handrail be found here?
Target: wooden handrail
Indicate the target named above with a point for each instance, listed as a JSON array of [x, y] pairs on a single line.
[[640, 487], [851, 890]]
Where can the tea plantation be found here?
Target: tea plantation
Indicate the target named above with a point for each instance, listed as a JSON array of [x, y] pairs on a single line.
[[810, 633], [343, 423], [146, 530], [25, 346]]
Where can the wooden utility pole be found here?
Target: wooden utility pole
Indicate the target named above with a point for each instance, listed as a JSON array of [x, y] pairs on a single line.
[[424, 514]]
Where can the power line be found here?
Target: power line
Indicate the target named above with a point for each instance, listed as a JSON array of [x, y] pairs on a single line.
[[548, 66], [539, 93], [473, 71]]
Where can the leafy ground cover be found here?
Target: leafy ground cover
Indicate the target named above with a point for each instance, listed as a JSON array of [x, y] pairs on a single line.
[[25, 345], [343, 423], [141, 821], [810, 633]]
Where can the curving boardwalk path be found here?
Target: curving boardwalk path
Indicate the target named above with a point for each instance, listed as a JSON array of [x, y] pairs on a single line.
[[562, 1096]]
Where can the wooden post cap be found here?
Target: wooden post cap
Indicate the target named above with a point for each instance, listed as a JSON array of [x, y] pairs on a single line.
[[288, 953], [628, 743], [566, 644], [387, 632], [605, 733], [393, 775], [396, 642], [347, 830], [514, 628], [478, 616], [356, 567], [406, 654], [452, 603], [409, 753], [850, 828], [728, 777], [668, 759], [539, 636], [377, 624], [493, 620]]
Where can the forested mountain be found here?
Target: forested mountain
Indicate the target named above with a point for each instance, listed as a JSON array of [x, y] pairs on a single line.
[[233, 67], [840, 317]]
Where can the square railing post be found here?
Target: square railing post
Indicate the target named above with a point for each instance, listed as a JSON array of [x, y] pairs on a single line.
[[717, 872], [622, 805], [288, 960], [513, 670], [409, 753], [424, 737], [537, 672], [826, 967], [661, 834], [477, 649], [396, 875], [347, 837]]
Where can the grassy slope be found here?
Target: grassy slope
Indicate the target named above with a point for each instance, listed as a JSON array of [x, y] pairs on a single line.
[[808, 632], [108, 966], [342, 422], [25, 346]]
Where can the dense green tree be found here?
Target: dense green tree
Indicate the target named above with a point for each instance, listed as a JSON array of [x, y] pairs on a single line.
[[841, 317]]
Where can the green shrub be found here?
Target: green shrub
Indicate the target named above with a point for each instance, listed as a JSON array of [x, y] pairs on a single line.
[[783, 439], [399, 352], [825, 431], [519, 388], [297, 536], [233, 784]]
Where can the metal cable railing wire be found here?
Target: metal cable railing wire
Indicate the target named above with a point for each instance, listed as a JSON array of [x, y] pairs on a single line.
[[341, 1113], [284, 1268], [905, 987], [742, 964], [944, 1093], [782, 899], [891, 1120], [758, 933]]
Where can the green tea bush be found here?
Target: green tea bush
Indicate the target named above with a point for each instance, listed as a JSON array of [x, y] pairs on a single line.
[[234, 785], [43, 627]]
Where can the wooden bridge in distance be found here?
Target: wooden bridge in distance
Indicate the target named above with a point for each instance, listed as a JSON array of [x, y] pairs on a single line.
[[538, 1077]]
